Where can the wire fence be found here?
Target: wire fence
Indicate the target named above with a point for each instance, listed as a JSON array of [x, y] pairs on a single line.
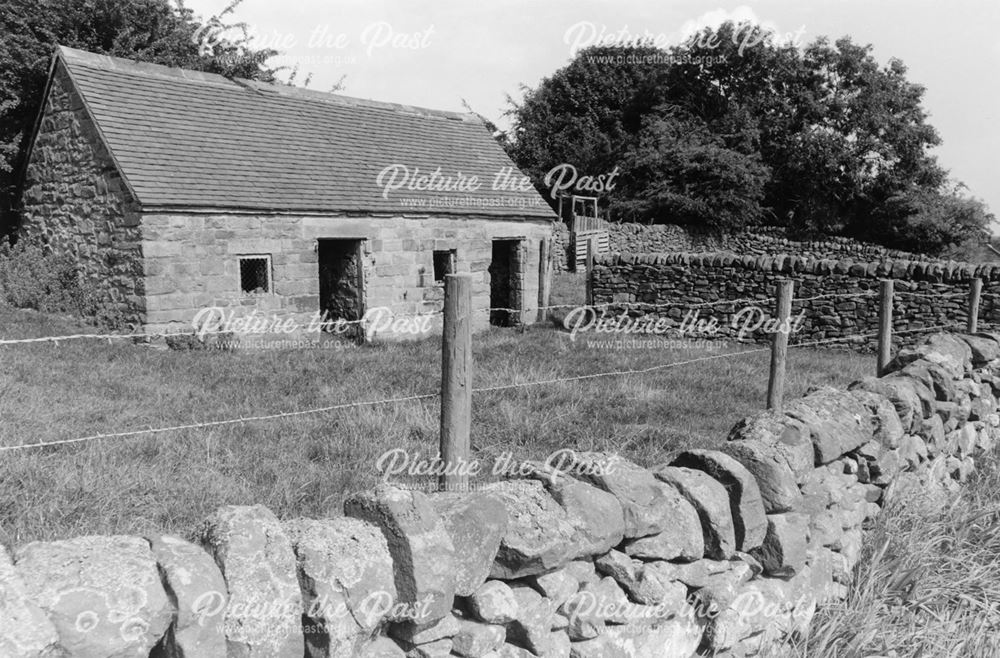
[[634, 372], [334, 323], [436, 395]]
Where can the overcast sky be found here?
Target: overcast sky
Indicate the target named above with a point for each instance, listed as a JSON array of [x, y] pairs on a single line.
[[436, 53]]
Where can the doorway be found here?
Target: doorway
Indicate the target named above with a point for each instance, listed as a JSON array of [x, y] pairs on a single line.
[[506, 282], [341, 283]]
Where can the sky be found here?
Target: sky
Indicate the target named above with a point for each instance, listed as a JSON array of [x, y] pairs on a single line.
[[438, 54]]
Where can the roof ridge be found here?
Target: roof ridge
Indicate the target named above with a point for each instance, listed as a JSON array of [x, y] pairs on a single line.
[[73, 56], [128, 66]]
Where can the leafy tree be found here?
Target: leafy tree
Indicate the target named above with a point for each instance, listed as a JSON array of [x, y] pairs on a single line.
[[148, 30], [732, 128], [682, 170], [587, 114], [953, 224]]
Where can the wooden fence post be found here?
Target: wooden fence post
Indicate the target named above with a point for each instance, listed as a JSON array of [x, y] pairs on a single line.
[[456, 382], [591, 252], [884, 326], [544, 277], [975, 290], [779, 345]]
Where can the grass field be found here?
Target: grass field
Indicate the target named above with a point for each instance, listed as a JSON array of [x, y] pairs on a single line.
[[305, 465]]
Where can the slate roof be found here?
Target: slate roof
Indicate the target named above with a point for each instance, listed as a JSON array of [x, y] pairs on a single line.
[[190, 140]]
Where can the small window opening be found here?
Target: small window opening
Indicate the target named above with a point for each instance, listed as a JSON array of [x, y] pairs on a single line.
[[444, 263], [255, 274]]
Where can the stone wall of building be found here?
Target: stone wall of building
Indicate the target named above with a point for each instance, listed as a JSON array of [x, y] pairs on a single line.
[[562, 255], [720, 552], [192, 262], [75, 201], [835, 298]]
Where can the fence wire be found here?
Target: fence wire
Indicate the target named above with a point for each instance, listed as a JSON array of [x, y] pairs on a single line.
[[428, 396]]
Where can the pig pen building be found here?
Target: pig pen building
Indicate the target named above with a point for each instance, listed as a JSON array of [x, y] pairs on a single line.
[[177, 191]]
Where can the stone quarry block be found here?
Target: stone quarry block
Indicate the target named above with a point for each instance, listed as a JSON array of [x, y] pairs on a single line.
[[718, 589], [596, 515], [901, 393], [103, 595], [476, 523], [932, 430], [956, 352], [933, 376], [837, 421], [532, 624], [556, 586], [670, 638], [783, 553], [745, 502], [264, 616], [711, 501], [945, 349], [25, 630], [422, 553], [583, 571], [912, 450], [885, 468], [684, 543], [437, 649], [415, 635], [346, 578], [195, 584], [967, 439], [777, 482], [887, 428], [648, 506], [825, 528], [592, 607], [475, 639], [560, 645], [849, 546], [924, 393], [787, 437], [539, 531], [603, 646], [762, 606], [382, 647], [493, 602], [645, 586], [985, 347]]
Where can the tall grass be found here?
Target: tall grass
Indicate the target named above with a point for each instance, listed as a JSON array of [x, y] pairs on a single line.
[[927, 583]]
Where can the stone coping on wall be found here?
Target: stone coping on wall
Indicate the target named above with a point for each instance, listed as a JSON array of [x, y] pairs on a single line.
[[713, 552], [934, 271]]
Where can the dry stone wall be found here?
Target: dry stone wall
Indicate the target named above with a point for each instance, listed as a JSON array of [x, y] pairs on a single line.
[[716, 552], [631, 238], [927, 294]]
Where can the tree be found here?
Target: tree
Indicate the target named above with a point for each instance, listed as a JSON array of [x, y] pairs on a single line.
[[147, 30], [682, 170], [732, 128], [587, 114], [947, 223]]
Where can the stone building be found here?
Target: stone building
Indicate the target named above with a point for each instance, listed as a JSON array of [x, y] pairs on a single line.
[[178, 191]]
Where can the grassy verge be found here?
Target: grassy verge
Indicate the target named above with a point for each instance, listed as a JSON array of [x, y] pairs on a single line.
[[927, 583]]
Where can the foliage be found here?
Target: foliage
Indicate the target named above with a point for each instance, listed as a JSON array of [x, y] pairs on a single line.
[[31, 278], [731, 128], [681, 169], [147, 30]]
